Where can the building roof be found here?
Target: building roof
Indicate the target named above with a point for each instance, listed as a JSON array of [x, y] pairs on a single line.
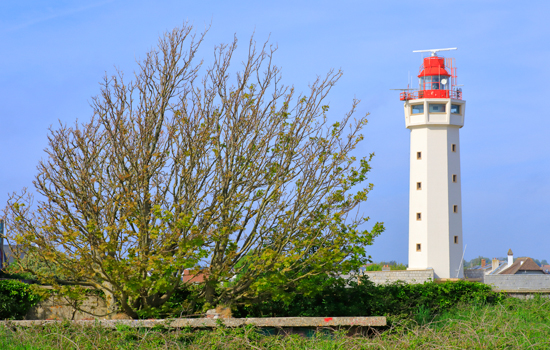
[[501, 267], [187, 277], [488, 268], [522, 264]]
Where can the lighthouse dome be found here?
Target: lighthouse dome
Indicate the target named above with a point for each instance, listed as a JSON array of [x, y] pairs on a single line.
[[433, 66]]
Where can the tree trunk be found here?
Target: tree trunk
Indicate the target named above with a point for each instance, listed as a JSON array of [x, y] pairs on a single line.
[[209, 290]]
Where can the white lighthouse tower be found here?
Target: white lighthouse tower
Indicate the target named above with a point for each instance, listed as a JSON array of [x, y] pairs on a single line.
[[434, 115]]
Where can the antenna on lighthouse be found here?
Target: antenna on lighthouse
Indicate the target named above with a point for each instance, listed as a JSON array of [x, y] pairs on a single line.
[[435, 51]]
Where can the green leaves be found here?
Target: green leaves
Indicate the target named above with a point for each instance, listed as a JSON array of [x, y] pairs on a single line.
[[16, 298], [321, 296]]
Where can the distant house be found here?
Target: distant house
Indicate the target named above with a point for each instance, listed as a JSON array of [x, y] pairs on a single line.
[[494, 268], [2, 251], [7, 256], [523, 266], [187, 277]]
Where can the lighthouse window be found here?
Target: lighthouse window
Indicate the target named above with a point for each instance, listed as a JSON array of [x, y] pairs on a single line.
[[419, 185], [417, 109], [453, 147], [426, 83], [456, 239], [418, 247], [454, 177], [429, 82], [455, 109], [437, 108], [418, 216], [418, 155], [455, 208], [434, 82]]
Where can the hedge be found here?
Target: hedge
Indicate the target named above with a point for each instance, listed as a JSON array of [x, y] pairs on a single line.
[[364, 298], [16, 298]]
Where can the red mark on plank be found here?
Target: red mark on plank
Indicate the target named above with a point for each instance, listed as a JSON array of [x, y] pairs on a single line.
[[328, 319]]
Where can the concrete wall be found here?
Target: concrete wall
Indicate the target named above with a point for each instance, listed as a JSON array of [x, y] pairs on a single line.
[[519, 282], [407, 276]]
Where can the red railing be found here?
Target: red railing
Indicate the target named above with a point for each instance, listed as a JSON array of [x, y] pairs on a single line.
[[413, 95]]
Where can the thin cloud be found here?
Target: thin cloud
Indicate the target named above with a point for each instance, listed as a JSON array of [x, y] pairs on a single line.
[[56, 15]]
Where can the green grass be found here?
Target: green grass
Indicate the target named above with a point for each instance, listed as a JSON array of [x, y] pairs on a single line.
[[511, 324]]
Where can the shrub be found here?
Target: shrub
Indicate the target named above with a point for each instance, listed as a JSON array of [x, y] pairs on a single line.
[[16, 298], [364, 298], [184, 302]]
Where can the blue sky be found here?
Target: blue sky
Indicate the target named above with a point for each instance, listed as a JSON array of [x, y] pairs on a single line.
[[54, 54]]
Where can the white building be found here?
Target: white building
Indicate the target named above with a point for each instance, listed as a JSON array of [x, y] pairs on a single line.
[[434, 115]]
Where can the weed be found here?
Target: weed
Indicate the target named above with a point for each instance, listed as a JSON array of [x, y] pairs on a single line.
[[509, 324]]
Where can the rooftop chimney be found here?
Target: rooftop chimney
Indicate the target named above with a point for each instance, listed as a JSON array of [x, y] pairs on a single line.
[[510, 257], [496, 263], [482, 262]]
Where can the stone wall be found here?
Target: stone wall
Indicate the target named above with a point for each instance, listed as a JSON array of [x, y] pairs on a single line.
[[529, 294], [277, 322], [519, 282], [407, 276], [59, 308], [474, 274]]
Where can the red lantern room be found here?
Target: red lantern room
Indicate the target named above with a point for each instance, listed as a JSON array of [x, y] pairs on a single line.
[[436, 79]]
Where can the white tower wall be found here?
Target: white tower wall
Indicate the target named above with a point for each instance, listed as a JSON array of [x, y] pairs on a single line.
[[438, 230]]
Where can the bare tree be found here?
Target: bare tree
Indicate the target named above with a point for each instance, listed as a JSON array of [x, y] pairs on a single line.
[[234, 176]]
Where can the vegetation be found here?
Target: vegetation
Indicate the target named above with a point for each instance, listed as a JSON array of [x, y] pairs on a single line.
[[510, 324], [476, 261], [233, 175], [362, 297], [16, 298], [393, 265], [339, 297], [20, 268]]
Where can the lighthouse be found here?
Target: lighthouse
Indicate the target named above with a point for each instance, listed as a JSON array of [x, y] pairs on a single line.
[[434, 114]]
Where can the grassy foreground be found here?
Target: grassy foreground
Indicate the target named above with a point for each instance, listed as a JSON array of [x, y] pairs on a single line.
[[512, 324]]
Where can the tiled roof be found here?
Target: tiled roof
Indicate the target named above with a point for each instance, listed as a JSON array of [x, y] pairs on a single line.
[[187, 277], [521, 264]]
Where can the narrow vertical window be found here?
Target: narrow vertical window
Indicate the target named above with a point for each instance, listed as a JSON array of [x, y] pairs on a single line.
[[453, 147], [418, 216], [455, 208], [454, 177], [456, 239], [418, 155], [418, 247], [419, 185]]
